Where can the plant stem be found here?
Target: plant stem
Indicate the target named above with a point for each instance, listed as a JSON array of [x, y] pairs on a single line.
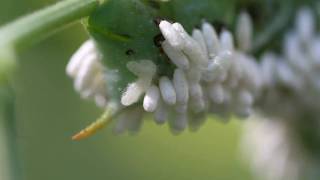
[[10, 167], [36, 26], [17, 36], [32, 28]]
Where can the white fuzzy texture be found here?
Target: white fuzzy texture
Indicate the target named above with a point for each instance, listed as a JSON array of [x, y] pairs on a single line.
[[285, 75], [194, 74], [96, 86], [268, 65], [197, 102], [135, 120], [211, 38], [216, 93], [224, 58], [292, 49], [161, 113], [245, 98], [134, 91], [191, 48], [177, 57], [295, 70], [130, 121], [151, 99], [86, 73], [209, 73], [145, 70], [305, 24], [218, 74], [291, 93], [87, 48], [212, 74], [226, 40], [180, 84], [217, 68], [180, 122], [244, 32], [181, 108], [251, 75], [167, 90], [199, 37], [278, 156], [86, 69], [315, 51], [173, 37]]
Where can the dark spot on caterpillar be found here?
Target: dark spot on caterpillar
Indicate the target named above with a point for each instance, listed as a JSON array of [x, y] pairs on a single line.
[[154, 4], [157, 20], [219, 26], [158, 39], [130, 52]]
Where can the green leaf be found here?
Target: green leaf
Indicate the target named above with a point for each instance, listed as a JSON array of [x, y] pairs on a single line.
[[8, 139]]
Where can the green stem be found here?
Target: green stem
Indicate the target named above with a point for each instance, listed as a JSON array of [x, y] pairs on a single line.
[[39, 25], [10, 167], [32, 28], [17, 36]]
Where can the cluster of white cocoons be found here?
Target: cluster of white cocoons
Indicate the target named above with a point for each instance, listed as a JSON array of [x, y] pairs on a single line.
[[292, 80], [86, 69], [211, 76], [292, 84], [275, 152]]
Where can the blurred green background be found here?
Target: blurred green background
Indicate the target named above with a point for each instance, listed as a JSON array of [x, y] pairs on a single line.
[[50, 112]]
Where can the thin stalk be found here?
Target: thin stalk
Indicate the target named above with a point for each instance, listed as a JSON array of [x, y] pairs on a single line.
[[32, 28], [15, 37], [37, 26], [10, 167]]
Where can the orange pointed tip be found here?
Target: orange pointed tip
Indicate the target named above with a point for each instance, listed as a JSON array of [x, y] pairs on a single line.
[[90, 130], [81, 135], [93, 128]]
